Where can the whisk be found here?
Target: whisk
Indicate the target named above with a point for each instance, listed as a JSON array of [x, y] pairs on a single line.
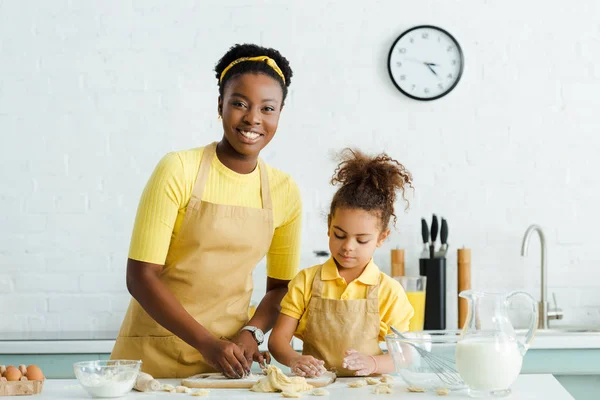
[[441, 366]]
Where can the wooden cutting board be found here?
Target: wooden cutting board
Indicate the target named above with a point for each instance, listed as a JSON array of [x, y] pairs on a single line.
[[218, 381]]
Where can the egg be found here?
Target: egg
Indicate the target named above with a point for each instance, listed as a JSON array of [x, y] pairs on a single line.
[[12, 373], [34, 373]]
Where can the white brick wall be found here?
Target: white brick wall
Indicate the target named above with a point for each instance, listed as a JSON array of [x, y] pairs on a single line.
[[92, 94]]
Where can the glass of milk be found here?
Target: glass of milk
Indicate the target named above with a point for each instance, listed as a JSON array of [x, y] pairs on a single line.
[[488, 354]]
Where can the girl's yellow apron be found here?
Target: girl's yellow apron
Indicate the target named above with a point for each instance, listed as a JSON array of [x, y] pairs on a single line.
[[334, 326], [209, 269]]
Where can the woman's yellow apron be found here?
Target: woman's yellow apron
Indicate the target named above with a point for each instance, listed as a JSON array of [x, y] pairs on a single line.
[[209, 269]]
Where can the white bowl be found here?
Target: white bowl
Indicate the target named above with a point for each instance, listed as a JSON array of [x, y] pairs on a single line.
[[107, 378]]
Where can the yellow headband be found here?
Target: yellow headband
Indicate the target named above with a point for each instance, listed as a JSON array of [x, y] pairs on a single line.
[[270, 62]]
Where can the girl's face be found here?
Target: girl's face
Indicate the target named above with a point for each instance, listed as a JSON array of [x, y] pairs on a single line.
[[354, 234], [250, 109]]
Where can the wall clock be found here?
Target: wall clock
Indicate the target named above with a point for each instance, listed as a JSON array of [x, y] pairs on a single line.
[[425, 62]]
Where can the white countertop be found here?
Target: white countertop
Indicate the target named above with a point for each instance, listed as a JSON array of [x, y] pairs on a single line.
[[527, 387], [542, 340]]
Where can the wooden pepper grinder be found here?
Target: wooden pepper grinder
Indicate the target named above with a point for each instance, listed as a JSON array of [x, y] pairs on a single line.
[[464, 283], [397, 262]]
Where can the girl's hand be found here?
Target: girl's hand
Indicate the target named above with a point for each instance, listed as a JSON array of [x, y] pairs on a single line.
[[362, 363], [307, 366]]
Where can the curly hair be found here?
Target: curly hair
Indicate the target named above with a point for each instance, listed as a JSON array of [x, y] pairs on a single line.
[[369, 183], [252, 50]]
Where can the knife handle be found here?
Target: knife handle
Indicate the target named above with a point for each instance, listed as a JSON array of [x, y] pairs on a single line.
[[424, 231], [434, 228], [444, 232]]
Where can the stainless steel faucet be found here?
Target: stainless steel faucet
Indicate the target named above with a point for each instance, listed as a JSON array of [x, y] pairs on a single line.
[[545, 313]]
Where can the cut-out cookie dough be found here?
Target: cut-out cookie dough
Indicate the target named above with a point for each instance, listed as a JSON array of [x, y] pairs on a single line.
[[277, 381], [201, 393], [358, 384], [292, 395], [167, 387], [442, 391], [320, 392], [415, 389], [387, 379], [372, 381], [182, 389], [383, 388]]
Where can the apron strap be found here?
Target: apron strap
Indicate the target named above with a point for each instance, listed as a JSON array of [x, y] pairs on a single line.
[[265, 192], [317, 286], [373, 290], [203, 173]]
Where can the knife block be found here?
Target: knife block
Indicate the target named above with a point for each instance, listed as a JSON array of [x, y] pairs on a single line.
[[435, 294]]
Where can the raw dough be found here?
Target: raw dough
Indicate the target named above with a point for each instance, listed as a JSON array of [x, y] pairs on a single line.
[[277, 381], [320, 392], [183, 389], [442, 391], [167, 387], [372, 381], [383, 388], [415, 389], [294, 395], [358, 384], [201, 392], [387, 379]]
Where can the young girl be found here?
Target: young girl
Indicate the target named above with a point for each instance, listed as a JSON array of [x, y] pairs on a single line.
[[343, 308]]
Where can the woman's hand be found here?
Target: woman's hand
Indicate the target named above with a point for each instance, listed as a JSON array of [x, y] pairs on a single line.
[[307, 366], [227, 357], [362, 363]]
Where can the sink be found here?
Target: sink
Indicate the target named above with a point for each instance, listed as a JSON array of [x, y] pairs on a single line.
[[562, 331]]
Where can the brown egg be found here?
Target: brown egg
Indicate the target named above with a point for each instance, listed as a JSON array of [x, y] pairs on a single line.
[[34, 373], [12, 374]]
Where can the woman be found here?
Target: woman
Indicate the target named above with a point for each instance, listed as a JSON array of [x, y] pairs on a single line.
[[206, 217]]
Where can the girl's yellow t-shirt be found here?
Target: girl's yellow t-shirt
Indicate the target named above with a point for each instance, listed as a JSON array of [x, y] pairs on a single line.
[[394, 307], [165, 198]]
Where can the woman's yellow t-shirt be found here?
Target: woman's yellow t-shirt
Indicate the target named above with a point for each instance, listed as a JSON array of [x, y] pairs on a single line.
[[394, 307], [168, 192]]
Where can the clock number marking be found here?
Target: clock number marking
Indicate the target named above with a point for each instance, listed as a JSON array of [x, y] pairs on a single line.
[[402, 77], [425, 35], [426, 90], [450, 48], [450, 76], [402, 50], [398, 64]]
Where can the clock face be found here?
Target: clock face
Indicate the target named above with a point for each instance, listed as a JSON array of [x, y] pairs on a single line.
[[425, 62]]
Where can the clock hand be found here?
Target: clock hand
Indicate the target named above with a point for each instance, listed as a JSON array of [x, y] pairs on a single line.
[[431, 69]]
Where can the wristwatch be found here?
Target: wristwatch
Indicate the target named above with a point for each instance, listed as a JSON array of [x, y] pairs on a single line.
[[257, 334]]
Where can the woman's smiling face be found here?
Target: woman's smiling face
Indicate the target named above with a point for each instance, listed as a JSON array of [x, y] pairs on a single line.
[[250, 108]]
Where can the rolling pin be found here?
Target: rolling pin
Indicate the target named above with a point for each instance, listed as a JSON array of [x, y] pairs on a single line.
[[397, 262], [464, 283]]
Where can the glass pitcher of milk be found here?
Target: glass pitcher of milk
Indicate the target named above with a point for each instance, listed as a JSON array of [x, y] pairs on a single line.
[[488, 354]]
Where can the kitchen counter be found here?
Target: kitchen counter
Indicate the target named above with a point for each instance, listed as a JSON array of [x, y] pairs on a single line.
[[103, 342], [527, 387]]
